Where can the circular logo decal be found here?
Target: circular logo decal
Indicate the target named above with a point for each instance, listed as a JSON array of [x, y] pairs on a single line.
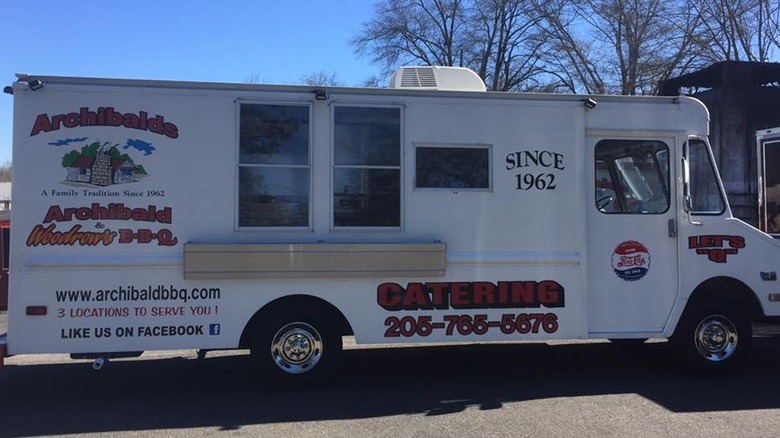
[[631, 260]]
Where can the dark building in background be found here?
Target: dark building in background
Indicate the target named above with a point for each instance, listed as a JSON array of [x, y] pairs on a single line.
[[742, 98]]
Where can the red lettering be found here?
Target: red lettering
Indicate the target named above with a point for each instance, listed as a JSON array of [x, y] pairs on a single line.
[[144, 235], [56, 120], [484, 294], [131, 121], [71, 120], [717, 255], [54, 214], [83, 213], [87, 117], [550, 294], [415, 297], [113, 118], [389, 296], [523, 294], [156, 124], [104, 116], [736, 242], [125, 235], [439, 295], [171, 130], [42, 124], [503, 294], [714, 246], [459, 295]]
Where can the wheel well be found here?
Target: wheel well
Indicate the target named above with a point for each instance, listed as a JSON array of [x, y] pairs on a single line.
[[295, 301], [727, 290]]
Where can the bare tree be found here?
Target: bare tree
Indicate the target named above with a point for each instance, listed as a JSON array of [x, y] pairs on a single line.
[[496, 38], [6, 171], [738, 30], [256, 79], [373, 81], [616, 46], [570, 57], [322, 78], [422, 31], [591, 46], [505, 43], [641, 37]]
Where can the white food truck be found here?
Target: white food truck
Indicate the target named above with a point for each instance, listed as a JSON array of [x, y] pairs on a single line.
[[156, 215]]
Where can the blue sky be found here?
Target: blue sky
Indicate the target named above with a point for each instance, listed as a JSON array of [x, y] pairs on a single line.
[[218, 41]]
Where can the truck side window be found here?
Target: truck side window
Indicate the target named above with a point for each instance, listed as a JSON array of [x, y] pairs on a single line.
[[632, 177], [452, 167], [273, 169], [367, 167], [704, 189]]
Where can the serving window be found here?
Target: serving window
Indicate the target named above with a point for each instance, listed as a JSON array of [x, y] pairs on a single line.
[[274, 170], [367, 166]]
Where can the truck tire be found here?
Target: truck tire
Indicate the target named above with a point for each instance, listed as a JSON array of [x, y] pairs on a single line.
[[713, 338], [295, 348]]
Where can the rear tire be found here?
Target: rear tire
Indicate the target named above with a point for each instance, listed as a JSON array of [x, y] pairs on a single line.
[[295, 348], [713, 338]]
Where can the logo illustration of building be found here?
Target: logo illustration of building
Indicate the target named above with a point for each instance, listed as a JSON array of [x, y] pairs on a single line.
[[101, 165]]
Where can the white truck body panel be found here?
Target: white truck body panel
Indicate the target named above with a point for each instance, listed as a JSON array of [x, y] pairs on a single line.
[[107, 258]]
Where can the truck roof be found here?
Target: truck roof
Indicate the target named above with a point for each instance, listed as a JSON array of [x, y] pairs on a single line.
[[228, 86]]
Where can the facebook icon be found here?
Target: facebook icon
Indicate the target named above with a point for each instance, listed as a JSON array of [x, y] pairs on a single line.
[[214, 329]]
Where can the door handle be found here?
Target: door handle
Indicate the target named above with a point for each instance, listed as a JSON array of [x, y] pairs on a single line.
[[672, 228]]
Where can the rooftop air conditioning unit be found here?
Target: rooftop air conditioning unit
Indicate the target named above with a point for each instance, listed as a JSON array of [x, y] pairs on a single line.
[[437, 78]]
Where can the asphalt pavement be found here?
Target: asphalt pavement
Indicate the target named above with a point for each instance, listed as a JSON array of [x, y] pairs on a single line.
[[594, 389], [589, 389]]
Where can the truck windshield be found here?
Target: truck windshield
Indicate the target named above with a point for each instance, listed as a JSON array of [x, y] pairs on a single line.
[[704, 189]]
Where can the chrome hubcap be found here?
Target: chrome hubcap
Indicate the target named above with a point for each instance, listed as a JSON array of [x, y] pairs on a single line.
[[716, 338], [296, 348]]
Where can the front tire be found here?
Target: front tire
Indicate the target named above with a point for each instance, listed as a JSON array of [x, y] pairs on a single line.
[[713, 339], [295, 348]]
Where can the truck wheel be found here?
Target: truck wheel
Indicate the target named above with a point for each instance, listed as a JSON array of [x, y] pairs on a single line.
[[295, 349], [713, 339]]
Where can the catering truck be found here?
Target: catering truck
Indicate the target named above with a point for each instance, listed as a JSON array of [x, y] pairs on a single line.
[[156, 215]]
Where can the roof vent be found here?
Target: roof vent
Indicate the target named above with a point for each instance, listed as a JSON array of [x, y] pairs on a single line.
[[437, 78]]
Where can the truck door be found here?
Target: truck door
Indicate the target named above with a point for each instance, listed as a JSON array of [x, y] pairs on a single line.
[[631, 235], [768, 142]]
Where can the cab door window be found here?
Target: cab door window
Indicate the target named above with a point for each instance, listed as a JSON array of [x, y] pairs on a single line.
[[632, 177]]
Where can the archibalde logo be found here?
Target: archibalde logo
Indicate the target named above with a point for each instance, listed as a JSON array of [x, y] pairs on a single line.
[[105, 116]]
